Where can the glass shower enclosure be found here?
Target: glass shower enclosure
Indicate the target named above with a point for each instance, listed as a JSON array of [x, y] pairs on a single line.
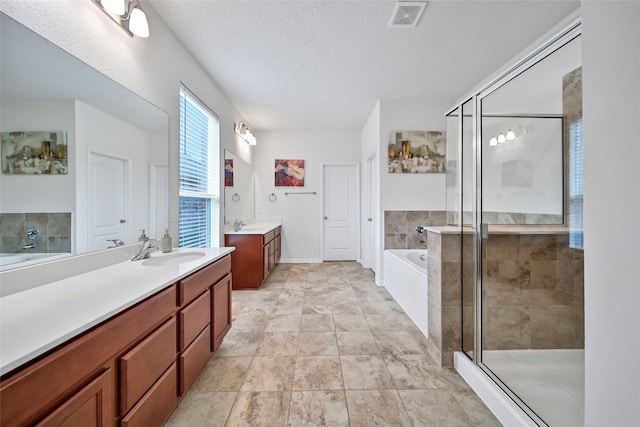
[[514, 190]]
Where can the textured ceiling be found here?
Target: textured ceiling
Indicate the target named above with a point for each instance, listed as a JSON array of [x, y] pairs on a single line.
[[323, 64]]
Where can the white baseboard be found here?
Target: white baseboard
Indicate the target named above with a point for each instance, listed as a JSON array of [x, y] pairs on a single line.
[[504, 409], [300, 260]]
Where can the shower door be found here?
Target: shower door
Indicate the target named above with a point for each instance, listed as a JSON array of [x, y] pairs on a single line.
[[530, 327]]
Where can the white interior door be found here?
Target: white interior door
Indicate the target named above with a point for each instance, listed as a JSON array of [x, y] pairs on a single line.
[[340, 192], [159, 220], [107, 200]]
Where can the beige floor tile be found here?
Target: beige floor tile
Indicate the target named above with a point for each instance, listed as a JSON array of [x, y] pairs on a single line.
[[434, 408], [239, 344], [269, 374], [476, 410], [350, 322], [397, 342], [317, 323], [278, 344], [369, 408], [389, 322], [318, 373], [283, 323], [222, 374], [322, 345], [365, 373], [317, 344], [260, 409], [357, 343], [203, 409], [318, 408]]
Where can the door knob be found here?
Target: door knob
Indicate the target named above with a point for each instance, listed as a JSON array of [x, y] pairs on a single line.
[[370, 219], [122, 221], [326, 217]]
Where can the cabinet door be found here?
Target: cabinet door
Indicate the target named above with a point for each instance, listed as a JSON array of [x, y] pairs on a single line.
[[91, 406], [265, 261], [221, 309]]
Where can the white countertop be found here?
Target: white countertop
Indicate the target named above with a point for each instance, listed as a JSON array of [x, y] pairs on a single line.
[[38, 319], [257, 228]]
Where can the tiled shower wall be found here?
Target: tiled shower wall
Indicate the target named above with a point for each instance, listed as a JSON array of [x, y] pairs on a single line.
[[400, 228], [533, 293], [54, 232]]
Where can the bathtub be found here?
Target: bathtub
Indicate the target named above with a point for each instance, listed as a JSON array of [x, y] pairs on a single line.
[[405, 277], [12, 260]]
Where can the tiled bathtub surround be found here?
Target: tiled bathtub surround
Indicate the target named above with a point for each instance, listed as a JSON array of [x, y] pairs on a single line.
[[54, 232], [400, 227], [505, 218]]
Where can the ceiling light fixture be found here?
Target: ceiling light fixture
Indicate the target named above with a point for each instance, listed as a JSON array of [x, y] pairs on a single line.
[[128, 14], [243, 131]]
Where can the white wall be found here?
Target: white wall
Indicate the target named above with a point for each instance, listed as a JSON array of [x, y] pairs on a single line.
[[40, 193], [152, 67], [611, 87], [101, 133], [301, 215]]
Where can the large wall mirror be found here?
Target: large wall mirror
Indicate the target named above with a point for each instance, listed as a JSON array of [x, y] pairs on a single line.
[[84, 160], [239, 189]]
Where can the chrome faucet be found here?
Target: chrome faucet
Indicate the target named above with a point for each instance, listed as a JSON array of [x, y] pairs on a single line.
[[421, 230], [116, 242], [146, 248]]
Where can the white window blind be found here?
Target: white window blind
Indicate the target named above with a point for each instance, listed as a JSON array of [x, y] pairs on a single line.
[[199, 174], [576, 185]]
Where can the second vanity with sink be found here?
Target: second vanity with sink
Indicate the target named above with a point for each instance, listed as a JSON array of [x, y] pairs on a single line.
[[120, 344], [258, 248]]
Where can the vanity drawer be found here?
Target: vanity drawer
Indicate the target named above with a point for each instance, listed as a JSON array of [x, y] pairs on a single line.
[[193, 285], [194, 318], [157, 404], [277, 231], [266, 238], [144, 364], [194, 358]]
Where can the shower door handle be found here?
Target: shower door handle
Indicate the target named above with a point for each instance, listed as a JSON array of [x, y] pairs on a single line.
[[484, 230]]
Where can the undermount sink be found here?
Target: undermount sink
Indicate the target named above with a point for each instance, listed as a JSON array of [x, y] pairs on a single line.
[[172, 259]]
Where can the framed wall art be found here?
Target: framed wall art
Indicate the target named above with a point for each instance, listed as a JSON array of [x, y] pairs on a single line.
[[34, 153], [289, 173], [420, 151]]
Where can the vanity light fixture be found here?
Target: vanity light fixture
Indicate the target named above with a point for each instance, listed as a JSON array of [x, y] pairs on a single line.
[[511, 135], [128, 14], [501, 138], [493, 141], [245, 133]]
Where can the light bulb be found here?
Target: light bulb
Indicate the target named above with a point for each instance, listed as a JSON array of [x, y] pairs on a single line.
[[493, 141], [501, 138], [511, 135], [113, 6], [138, 24]]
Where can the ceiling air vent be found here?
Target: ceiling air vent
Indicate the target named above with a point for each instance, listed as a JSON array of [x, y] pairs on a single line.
[[407, 13]]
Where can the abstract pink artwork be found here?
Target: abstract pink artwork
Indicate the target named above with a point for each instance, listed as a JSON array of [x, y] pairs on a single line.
[[289, 173]]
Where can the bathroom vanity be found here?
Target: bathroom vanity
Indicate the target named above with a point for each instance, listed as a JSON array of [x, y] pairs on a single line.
[[118, 345], [257, 253]]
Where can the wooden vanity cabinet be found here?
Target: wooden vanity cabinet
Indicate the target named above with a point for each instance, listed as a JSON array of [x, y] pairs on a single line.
[[130, 370], [254, 258]]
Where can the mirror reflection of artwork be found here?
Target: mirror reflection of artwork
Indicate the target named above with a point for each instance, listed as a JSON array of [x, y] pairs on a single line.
[[34, 153], [417, 152], [228, 172], [289, 173]]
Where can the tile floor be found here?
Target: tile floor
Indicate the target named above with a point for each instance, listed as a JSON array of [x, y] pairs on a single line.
[[322, 345]]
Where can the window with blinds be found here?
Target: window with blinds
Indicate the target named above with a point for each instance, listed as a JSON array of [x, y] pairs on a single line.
[[576, 186], [199, 174]]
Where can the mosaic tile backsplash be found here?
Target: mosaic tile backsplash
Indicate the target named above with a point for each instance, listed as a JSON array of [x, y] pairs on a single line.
[[54, 232], [400, 228]]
